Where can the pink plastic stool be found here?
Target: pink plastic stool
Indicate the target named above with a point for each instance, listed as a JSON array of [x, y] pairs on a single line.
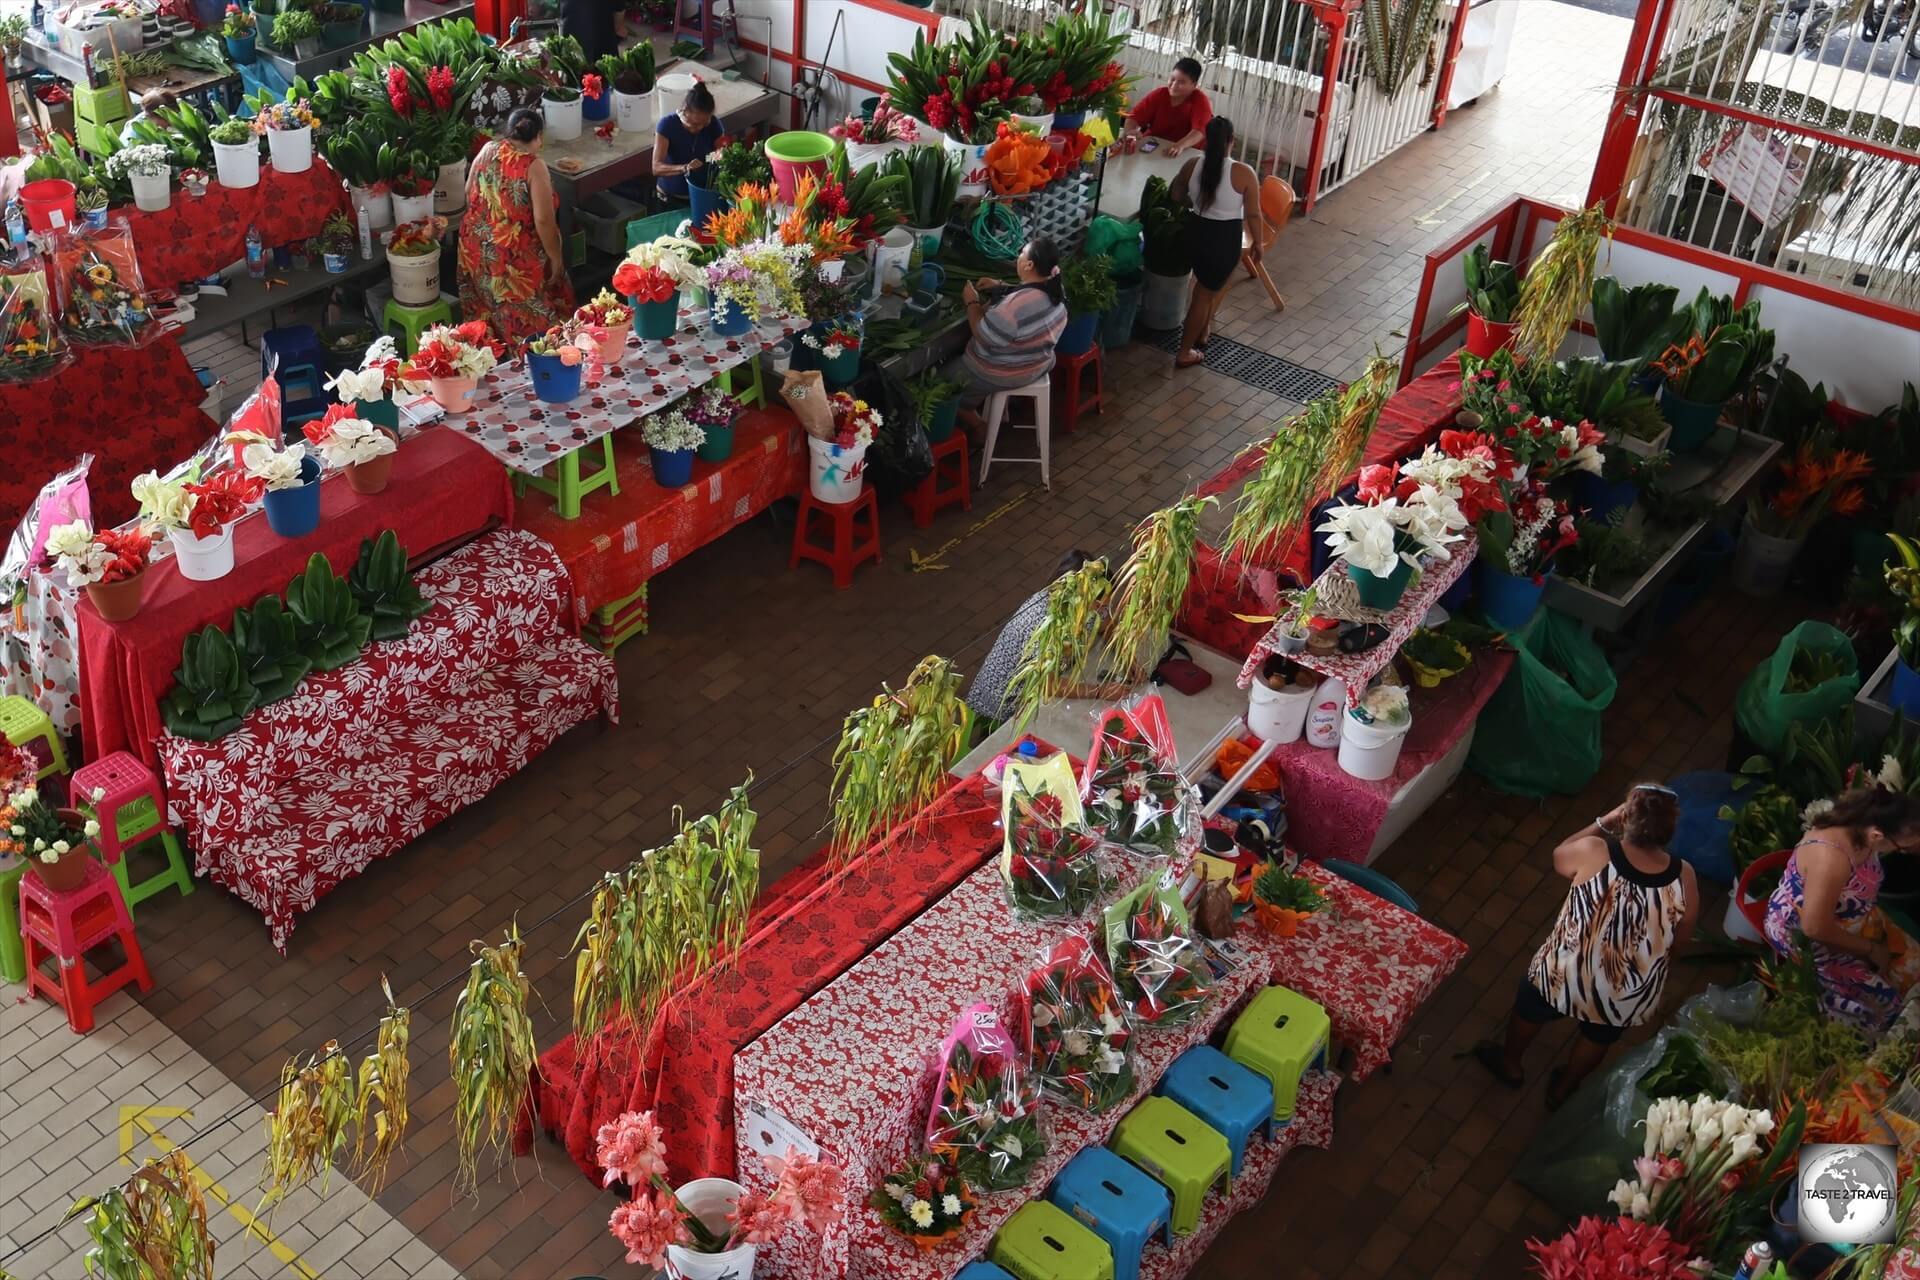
[[64, 927], [132, 811]]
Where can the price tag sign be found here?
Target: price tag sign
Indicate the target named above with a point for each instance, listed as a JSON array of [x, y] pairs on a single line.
[[771, 1135]]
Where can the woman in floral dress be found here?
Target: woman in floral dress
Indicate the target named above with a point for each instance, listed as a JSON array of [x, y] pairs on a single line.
[[513, 274]]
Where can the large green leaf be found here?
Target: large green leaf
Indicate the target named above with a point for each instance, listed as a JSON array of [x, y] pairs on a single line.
[[268, 641], [383, 588], [211, 694], [331, 627]]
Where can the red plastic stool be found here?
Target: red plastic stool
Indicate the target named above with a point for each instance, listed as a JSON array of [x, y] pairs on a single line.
[[132, 812], [1069, 386], [850, 545], [945, 485], [64, 927]]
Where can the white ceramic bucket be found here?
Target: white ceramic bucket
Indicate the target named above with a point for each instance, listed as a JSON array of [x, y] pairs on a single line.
[[563, 119], [1277, 715], [292, 149], [1761, 561], [631, 111], [450, 188], [237, 164], [891, 254], [669, 91], [710, 1200], [150, 191], [412, 208], [973, 165], [379, 208]]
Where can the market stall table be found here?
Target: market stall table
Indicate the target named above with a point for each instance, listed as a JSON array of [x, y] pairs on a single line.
[[195, 236], [443, 490], [1124, 177], [359, 761], [129, 407], [248, 299], [380, 24]]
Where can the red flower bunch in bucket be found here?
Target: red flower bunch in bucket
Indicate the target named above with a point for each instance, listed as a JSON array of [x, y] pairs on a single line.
[[643, 284], [855, 422], [1598, 1248], [592, 86], [399, 92], [221, 499]]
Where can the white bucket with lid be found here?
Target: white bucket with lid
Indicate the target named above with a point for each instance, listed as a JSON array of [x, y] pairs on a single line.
[[669, 91], [1278, 715], [1370, 751]]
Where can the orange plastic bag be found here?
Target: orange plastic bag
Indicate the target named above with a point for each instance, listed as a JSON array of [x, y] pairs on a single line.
[[1017, 162], [1235, 754]]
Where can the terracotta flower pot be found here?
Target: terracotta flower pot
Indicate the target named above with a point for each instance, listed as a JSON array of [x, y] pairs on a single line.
[[70, 872], [372, 477], [118, 601], [455, 395]]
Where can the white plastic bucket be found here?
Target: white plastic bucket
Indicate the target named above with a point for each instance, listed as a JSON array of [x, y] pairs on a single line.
[[1735, 923], [669, 91], [630, 111], [1278, 715], [202, 559], [563, 119], [973, 166], [835, 474], [292, 149], [412, 208], [862, 154], [150, 190], [416, 277], [450, 188], [710, 1200], [379, 208], [891, 254], [1761, 561], [1043, 125], [1370, 751], [237, 164]]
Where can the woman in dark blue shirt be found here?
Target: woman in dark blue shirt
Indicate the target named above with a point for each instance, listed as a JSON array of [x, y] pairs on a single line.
[[682, 142]]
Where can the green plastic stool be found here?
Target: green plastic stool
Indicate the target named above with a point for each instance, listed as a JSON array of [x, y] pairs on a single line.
[[1042, 1241], [13, 956], [571, 486], [1281, 1035], [648, 229], [413, 321], [25, 725], [1184, 1154], [756, 390]]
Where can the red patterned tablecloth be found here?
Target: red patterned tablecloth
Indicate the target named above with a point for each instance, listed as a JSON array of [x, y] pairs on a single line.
[[1356, 670], [132, 408], [363, 759], [814, 931], [1370, 964], [195, 236], [1333, 814], [853, 1068], [442, 489], [620, 541]]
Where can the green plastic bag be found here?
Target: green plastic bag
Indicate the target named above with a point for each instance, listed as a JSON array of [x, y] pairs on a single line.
[[1539, 733], [1765, 710], [1119, 240]]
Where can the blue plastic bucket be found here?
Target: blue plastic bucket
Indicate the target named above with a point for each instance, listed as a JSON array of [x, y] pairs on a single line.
[[703, 202], [1693, 421], [672, 468], [1077, 338], [553, 381], [1599, 498], [729, 321], [295, 513], [1508, 601], [599, 108]]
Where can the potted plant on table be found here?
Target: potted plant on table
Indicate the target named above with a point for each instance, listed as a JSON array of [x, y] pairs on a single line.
[[872, 138], [336, 243], [413, 258], [1716, 362], [555, 359], [110, 564], [936, 403], [1283, 898], [611, 319], [339, 24], [238, 29], [652, 276], [198, 517], [412, 189], [714, 412], [631, 73], [146, 168], [451, 360], [56, 843], [560, 103], [236, 154], [90, 202], [298, 30], [595, 104], [1517, 547], [1788, 504], [671, 441], [838, 344], [929, 186], [1088, 283], [1635, 325], [288, 126], [1493, 291], [293, 487], [363, 448], [1087, 76], [1384, 537]]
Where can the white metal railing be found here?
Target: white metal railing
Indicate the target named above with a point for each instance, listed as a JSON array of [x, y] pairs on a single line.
[[1384, 122]]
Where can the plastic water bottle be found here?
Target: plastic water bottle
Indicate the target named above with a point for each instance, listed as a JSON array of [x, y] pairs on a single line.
[[16, 226], [256, 254]]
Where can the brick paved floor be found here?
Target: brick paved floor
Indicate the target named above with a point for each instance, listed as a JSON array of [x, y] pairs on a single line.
[[751, 666]]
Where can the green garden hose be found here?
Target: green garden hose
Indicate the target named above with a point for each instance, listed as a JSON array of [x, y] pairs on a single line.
[[997, 231]]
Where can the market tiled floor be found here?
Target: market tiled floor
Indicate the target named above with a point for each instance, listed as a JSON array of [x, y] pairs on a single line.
[[752, 667]]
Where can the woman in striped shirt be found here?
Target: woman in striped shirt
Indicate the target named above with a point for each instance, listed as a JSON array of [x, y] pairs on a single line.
[[1012, 344]]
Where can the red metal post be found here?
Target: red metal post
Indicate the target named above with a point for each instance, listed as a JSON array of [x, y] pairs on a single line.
[[496, 17], [1335, 22], [1455, 39], [9, 134], [1623, 118]]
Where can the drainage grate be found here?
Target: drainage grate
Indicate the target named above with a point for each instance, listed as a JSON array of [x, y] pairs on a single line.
[[1256, 368]]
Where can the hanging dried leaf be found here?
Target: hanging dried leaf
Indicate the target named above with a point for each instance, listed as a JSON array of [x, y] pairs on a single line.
[[308, 1125], [152, 1228], [380, 1119], [1152, 584], [492, 1054], [1061, 649], [1558, 284], [894, 755]]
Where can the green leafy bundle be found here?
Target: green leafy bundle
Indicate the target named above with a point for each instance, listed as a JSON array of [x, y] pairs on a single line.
[[894, 755], [1493, 287], [267, 640], [383, 588], [210, 695], [331, 628], [930, 183]]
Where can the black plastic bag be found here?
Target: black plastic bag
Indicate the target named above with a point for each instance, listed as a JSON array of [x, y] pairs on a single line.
[[900, 457]]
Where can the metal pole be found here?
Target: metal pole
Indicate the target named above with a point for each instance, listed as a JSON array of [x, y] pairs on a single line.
[[1336, 25]]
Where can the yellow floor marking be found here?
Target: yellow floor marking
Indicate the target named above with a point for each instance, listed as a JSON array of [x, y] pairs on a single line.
[[930, 563], [145, 1120]]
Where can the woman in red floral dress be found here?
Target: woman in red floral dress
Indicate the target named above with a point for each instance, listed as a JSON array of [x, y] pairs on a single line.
[[513, 274]]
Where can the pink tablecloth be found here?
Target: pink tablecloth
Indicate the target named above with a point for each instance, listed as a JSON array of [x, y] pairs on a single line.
[[443, 489], [362, 759]]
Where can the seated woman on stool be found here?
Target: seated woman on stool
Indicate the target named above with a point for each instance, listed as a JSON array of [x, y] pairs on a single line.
[[1014, 329], [1225, 198]]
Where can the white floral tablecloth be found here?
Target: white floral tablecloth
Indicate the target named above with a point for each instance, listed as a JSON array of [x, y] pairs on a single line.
[[362, 759], [527, 433]]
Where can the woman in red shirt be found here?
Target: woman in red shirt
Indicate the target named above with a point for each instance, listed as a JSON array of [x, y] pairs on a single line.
[[1177, 111]]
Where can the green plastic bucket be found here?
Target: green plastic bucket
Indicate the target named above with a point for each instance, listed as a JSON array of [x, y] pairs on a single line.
[[794, 153]]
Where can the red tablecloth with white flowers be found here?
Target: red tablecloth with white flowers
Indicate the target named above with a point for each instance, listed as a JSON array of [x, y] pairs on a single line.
[[1357, 670], [855, 1068], [442, 489], [1368, 963], [527, 434], [363, 759], [195, 236]]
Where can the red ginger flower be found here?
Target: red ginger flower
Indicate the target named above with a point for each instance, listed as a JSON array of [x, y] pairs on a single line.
[[440, 86], [399, 93], [592, 86]]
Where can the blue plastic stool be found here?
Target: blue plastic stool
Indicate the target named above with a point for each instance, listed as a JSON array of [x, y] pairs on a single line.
[[296, 344], [983, 1271], [1373, 882], [303, 395], [1228, 1096], [1117, 1202]]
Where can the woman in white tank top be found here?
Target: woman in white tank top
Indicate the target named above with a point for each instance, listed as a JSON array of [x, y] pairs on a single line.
[[1225, 196]]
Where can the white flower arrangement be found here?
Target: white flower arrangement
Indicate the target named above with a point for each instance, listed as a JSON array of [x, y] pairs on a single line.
[[280, 468], [351, 441], [148, 160], [473, 360], [670, 432], [369, 381], [1368, 537], [1580, 457], [164, 504], [1526, 536], [73, 547], [673, 256], [1384, 704], [1684, 1139]]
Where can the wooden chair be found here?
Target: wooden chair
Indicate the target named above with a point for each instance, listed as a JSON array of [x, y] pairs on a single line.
[[1276, 206]]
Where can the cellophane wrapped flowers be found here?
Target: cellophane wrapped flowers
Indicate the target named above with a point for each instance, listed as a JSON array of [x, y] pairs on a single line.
[[1159, 970], [1136, 796], [985, 1119], [1079, 1043], [1050, 863], [926, 1201]]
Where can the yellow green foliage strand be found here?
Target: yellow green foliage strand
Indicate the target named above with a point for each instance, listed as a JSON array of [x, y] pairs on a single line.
[[491, 1053], [894, 755]]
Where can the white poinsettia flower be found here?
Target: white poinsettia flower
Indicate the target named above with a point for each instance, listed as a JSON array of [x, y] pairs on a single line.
[[358, 384], [163, 502], [280, 468], [354, 440], [1892, 776], [1364, 536], [70, 540]]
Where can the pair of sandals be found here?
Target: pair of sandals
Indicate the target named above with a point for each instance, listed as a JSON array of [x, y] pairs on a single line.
[[1493, 1056], [1186, 361]]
